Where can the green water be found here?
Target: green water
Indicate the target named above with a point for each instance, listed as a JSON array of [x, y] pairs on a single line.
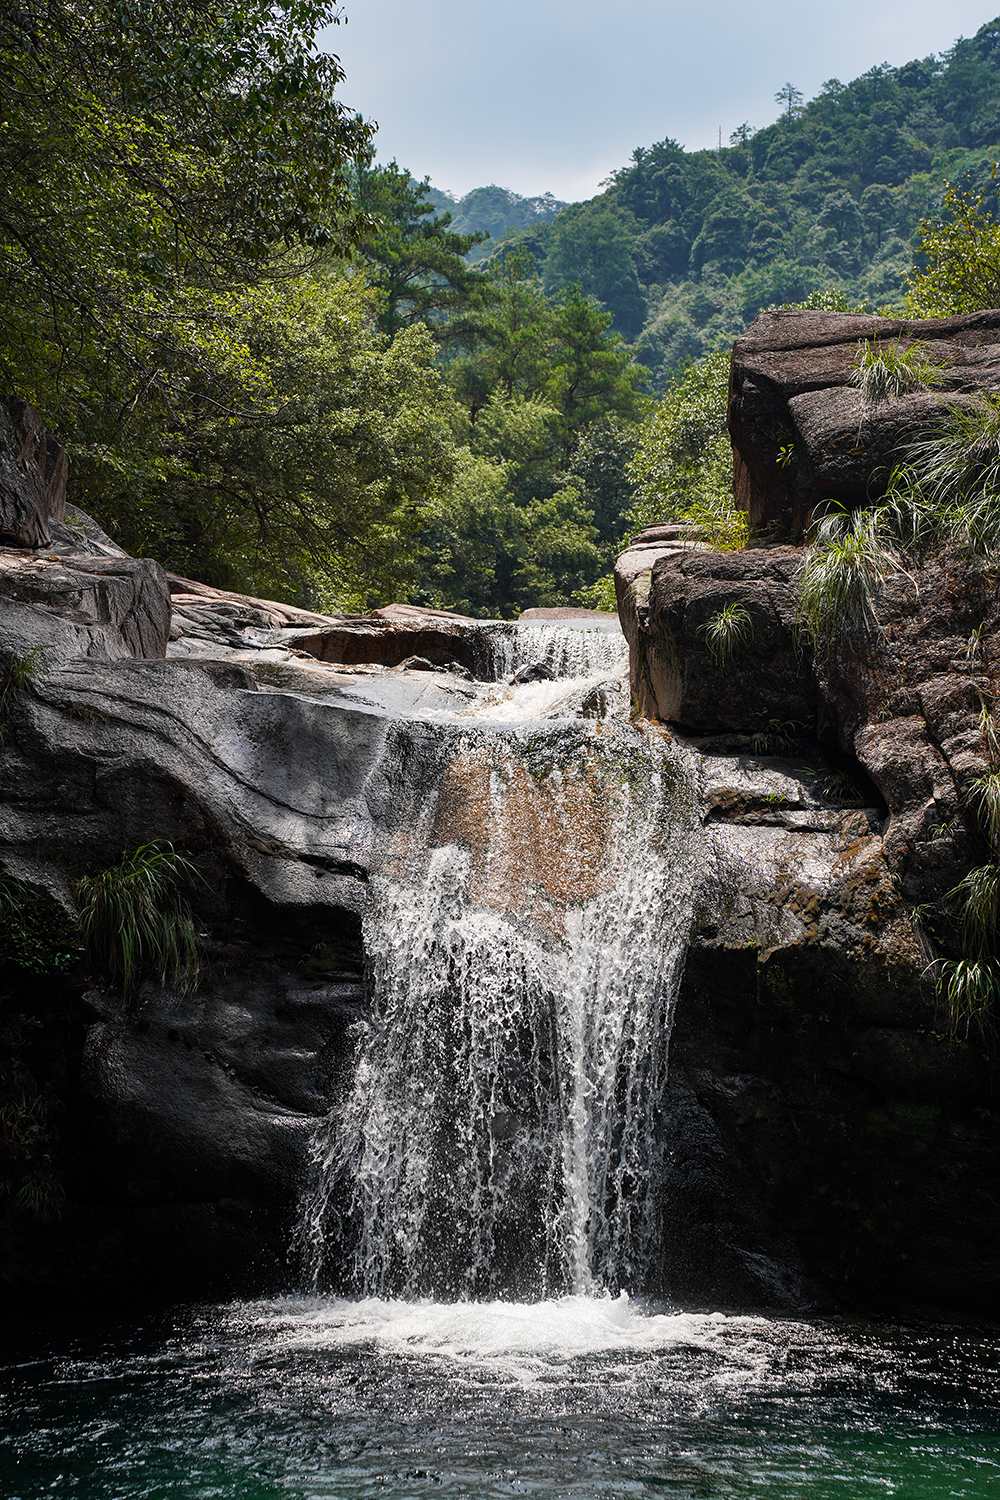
[[324, 1398]]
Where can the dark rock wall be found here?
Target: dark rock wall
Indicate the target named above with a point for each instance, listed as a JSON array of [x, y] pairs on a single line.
[[845, 1141], [790, 389]]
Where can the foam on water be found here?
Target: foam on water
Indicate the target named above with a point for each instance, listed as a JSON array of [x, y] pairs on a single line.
[[528, 1335]]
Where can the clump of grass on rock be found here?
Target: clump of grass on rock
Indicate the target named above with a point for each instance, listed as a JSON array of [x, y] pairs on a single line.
[[135, 920]]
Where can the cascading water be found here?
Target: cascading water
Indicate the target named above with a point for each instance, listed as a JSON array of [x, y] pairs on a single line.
[[525, 938], [565, 650]]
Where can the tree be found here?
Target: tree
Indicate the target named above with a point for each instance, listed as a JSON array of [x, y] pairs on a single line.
[[790, 97], [591, 245], [149, 147], [297, 460], [840, 213], [962, 255], [878, 210], [683, 467], [413, 260], [511, 333], [591, 374]]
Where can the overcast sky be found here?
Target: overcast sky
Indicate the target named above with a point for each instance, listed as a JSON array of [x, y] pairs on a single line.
[[552, 95]]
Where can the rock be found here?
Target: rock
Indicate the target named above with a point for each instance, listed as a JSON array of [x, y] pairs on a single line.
[[566, 612], [668, 595], [79, 534], [83, 605], [790, 389], [33, 472], [536, 672]]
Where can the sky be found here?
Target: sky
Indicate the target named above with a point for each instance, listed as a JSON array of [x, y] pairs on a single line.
[[553, 95]]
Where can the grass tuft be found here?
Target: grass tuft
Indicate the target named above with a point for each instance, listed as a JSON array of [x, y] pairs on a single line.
[[975, 904], [968, 988], [134, 919], [727, 632], [883, 370], [984, 794], [851, 556]]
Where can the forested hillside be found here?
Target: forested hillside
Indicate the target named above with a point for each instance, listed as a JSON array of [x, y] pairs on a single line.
[[685, 248], [280, 367], [494, 210]]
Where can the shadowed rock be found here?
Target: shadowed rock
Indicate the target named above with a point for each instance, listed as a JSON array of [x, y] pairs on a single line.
[[790, 389]]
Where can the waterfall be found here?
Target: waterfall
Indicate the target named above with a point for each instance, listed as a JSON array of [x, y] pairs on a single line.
[[566, 649], [525, 940]]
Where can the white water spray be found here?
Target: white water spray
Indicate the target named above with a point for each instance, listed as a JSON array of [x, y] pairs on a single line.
[[525, 940]]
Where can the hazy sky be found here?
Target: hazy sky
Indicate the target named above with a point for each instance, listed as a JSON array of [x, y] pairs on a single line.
[[549, 95]]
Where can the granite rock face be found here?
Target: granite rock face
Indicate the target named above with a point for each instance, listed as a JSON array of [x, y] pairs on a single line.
[[842, 1137], [82, 604], [670, 592], [790, 389]]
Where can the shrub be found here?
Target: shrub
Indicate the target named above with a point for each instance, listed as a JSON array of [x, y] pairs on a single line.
[[134, 919]]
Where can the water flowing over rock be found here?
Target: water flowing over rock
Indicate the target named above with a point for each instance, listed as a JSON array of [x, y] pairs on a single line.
[[444, 917], [526, 936]]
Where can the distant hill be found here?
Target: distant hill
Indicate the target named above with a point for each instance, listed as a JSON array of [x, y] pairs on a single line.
[[497, 210], [685, 248]]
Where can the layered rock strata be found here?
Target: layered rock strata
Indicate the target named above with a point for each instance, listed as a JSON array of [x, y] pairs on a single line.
[[802, 433]]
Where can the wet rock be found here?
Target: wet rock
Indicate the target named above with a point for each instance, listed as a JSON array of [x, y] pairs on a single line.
[[535, 672]]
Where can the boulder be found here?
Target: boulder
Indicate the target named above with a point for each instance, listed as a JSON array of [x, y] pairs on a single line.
[[669, 594], [33, 472], [83, 605], [790, 389]]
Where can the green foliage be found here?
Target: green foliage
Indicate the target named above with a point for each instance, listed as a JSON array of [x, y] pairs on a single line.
[[728, 631], [683, 465], [818, 208], [16, 671], [850, 557], [297, 456], [27, 1173], [883, 370], [511, 531], [943, 491], [134, 920], [152, 152], [776, 737], [36, 936], [969, 988], [983, 792], [975, 903], [495, 211], [591, 247], [961, 251], [412, 258], [839, 787]]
